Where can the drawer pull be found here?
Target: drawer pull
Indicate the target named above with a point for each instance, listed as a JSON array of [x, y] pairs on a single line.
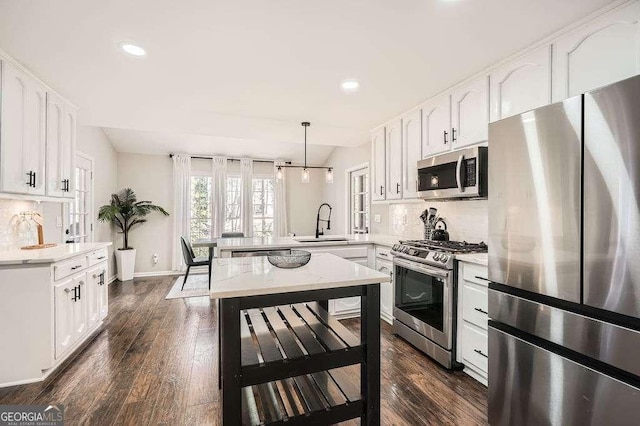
[[482, 278], [102, 257], [480, 352], [482, 311], [73, 268]]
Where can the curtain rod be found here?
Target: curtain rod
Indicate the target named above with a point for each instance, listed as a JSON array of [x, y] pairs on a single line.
[[200, 157]]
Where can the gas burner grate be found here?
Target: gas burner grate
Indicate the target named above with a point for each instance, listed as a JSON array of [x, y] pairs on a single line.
[[449, 246]]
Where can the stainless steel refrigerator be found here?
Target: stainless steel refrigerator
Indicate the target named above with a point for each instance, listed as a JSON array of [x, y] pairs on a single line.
[[564, 262]]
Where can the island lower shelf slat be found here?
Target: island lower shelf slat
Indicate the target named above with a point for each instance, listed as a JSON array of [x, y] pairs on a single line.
[[321, 398], [292, 340]]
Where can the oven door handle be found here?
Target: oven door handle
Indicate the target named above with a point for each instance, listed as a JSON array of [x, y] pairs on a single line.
[[442, 273], [458, 169]]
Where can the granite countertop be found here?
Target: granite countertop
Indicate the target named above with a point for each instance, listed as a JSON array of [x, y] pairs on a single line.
[[265, 243], [250, 276], [48, 255], [477, 258]]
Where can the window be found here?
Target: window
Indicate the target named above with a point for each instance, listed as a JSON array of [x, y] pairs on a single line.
[[262, 207], [232, 216], [200, 216], [359, 201], [79, 215], [201, 220]]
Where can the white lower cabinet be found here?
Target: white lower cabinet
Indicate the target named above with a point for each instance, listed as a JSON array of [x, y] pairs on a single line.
[[386, 290], [80, 303], [472, 340], [64, 294]]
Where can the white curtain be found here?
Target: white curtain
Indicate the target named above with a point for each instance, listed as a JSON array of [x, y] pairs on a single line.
[[246, 196], [280, 203], [218, 195], [181, 208]]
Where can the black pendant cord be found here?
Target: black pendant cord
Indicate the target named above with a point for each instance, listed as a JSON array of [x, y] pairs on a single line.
[[305, 124]]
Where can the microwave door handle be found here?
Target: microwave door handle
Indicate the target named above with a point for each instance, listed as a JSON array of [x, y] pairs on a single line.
[[458, 170]]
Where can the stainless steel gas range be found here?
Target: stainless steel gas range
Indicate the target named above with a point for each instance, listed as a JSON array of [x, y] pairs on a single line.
[[425, 300]]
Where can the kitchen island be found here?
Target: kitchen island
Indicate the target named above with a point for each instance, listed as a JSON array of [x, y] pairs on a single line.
[[279, 348]]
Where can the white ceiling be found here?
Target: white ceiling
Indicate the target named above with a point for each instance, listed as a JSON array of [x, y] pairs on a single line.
[[142, 142], [254, 69]]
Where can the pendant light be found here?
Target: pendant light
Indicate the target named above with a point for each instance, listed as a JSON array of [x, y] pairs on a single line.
[[306, 178], [328, 177]]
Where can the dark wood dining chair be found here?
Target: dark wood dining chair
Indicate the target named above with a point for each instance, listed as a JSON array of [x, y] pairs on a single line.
[[190, 260], [232, 235]]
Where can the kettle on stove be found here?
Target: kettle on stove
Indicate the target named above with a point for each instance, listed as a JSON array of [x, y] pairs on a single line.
[[440, 234]]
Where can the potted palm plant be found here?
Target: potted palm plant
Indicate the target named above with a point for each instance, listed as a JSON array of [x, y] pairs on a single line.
[[125, 212]]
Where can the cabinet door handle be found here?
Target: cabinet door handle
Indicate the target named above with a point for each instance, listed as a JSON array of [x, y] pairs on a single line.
[[480, 352], [481, 311], [32, 179], [75, 293], [79, 290], [445, 137], [380, 189], [397, 188], [453, 136]]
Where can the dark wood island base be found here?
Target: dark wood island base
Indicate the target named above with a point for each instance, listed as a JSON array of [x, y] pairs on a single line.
[[281, 354]]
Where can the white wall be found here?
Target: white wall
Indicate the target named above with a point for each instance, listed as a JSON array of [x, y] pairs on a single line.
[[303, 200], [93, 142], [341, 159], [151, 177], [13, 236], [466, 220]]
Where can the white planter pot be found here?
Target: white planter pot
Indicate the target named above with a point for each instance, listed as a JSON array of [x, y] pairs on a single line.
[[125, 262]]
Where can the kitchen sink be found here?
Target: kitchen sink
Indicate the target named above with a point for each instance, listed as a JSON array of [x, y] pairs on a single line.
[[321, 239]]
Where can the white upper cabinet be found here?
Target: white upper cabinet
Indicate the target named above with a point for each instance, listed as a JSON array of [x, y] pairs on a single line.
[[436, 126], [470, 113], [378, 164], [411, 153], [394, 160], [55, 127], [521, 85], [61, 147], [68, 164], [600, 53], [22, 132]]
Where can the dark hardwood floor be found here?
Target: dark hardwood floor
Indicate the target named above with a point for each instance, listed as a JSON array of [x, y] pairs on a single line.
[[155, 362]]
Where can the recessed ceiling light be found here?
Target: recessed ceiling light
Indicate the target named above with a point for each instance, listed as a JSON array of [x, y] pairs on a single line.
[[350, 86], [132, 49]]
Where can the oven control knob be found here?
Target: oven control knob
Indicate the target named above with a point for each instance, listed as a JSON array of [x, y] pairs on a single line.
[[436, 257], [444, 258]]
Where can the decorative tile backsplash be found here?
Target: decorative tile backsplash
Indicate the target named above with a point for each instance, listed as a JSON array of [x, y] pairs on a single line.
[[14, 233], [466, 220]]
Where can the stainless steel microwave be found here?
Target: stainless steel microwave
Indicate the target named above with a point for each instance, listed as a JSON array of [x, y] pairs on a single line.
[[454, 175]]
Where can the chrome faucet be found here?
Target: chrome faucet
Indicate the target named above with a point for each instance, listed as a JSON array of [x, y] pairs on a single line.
[[318, 220]]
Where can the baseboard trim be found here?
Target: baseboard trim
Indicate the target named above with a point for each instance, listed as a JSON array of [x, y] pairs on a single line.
[[155, 274], [111, 279]]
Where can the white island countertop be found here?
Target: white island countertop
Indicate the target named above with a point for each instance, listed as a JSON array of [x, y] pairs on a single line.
[[48, 255], [267, 243], [251, 276]]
